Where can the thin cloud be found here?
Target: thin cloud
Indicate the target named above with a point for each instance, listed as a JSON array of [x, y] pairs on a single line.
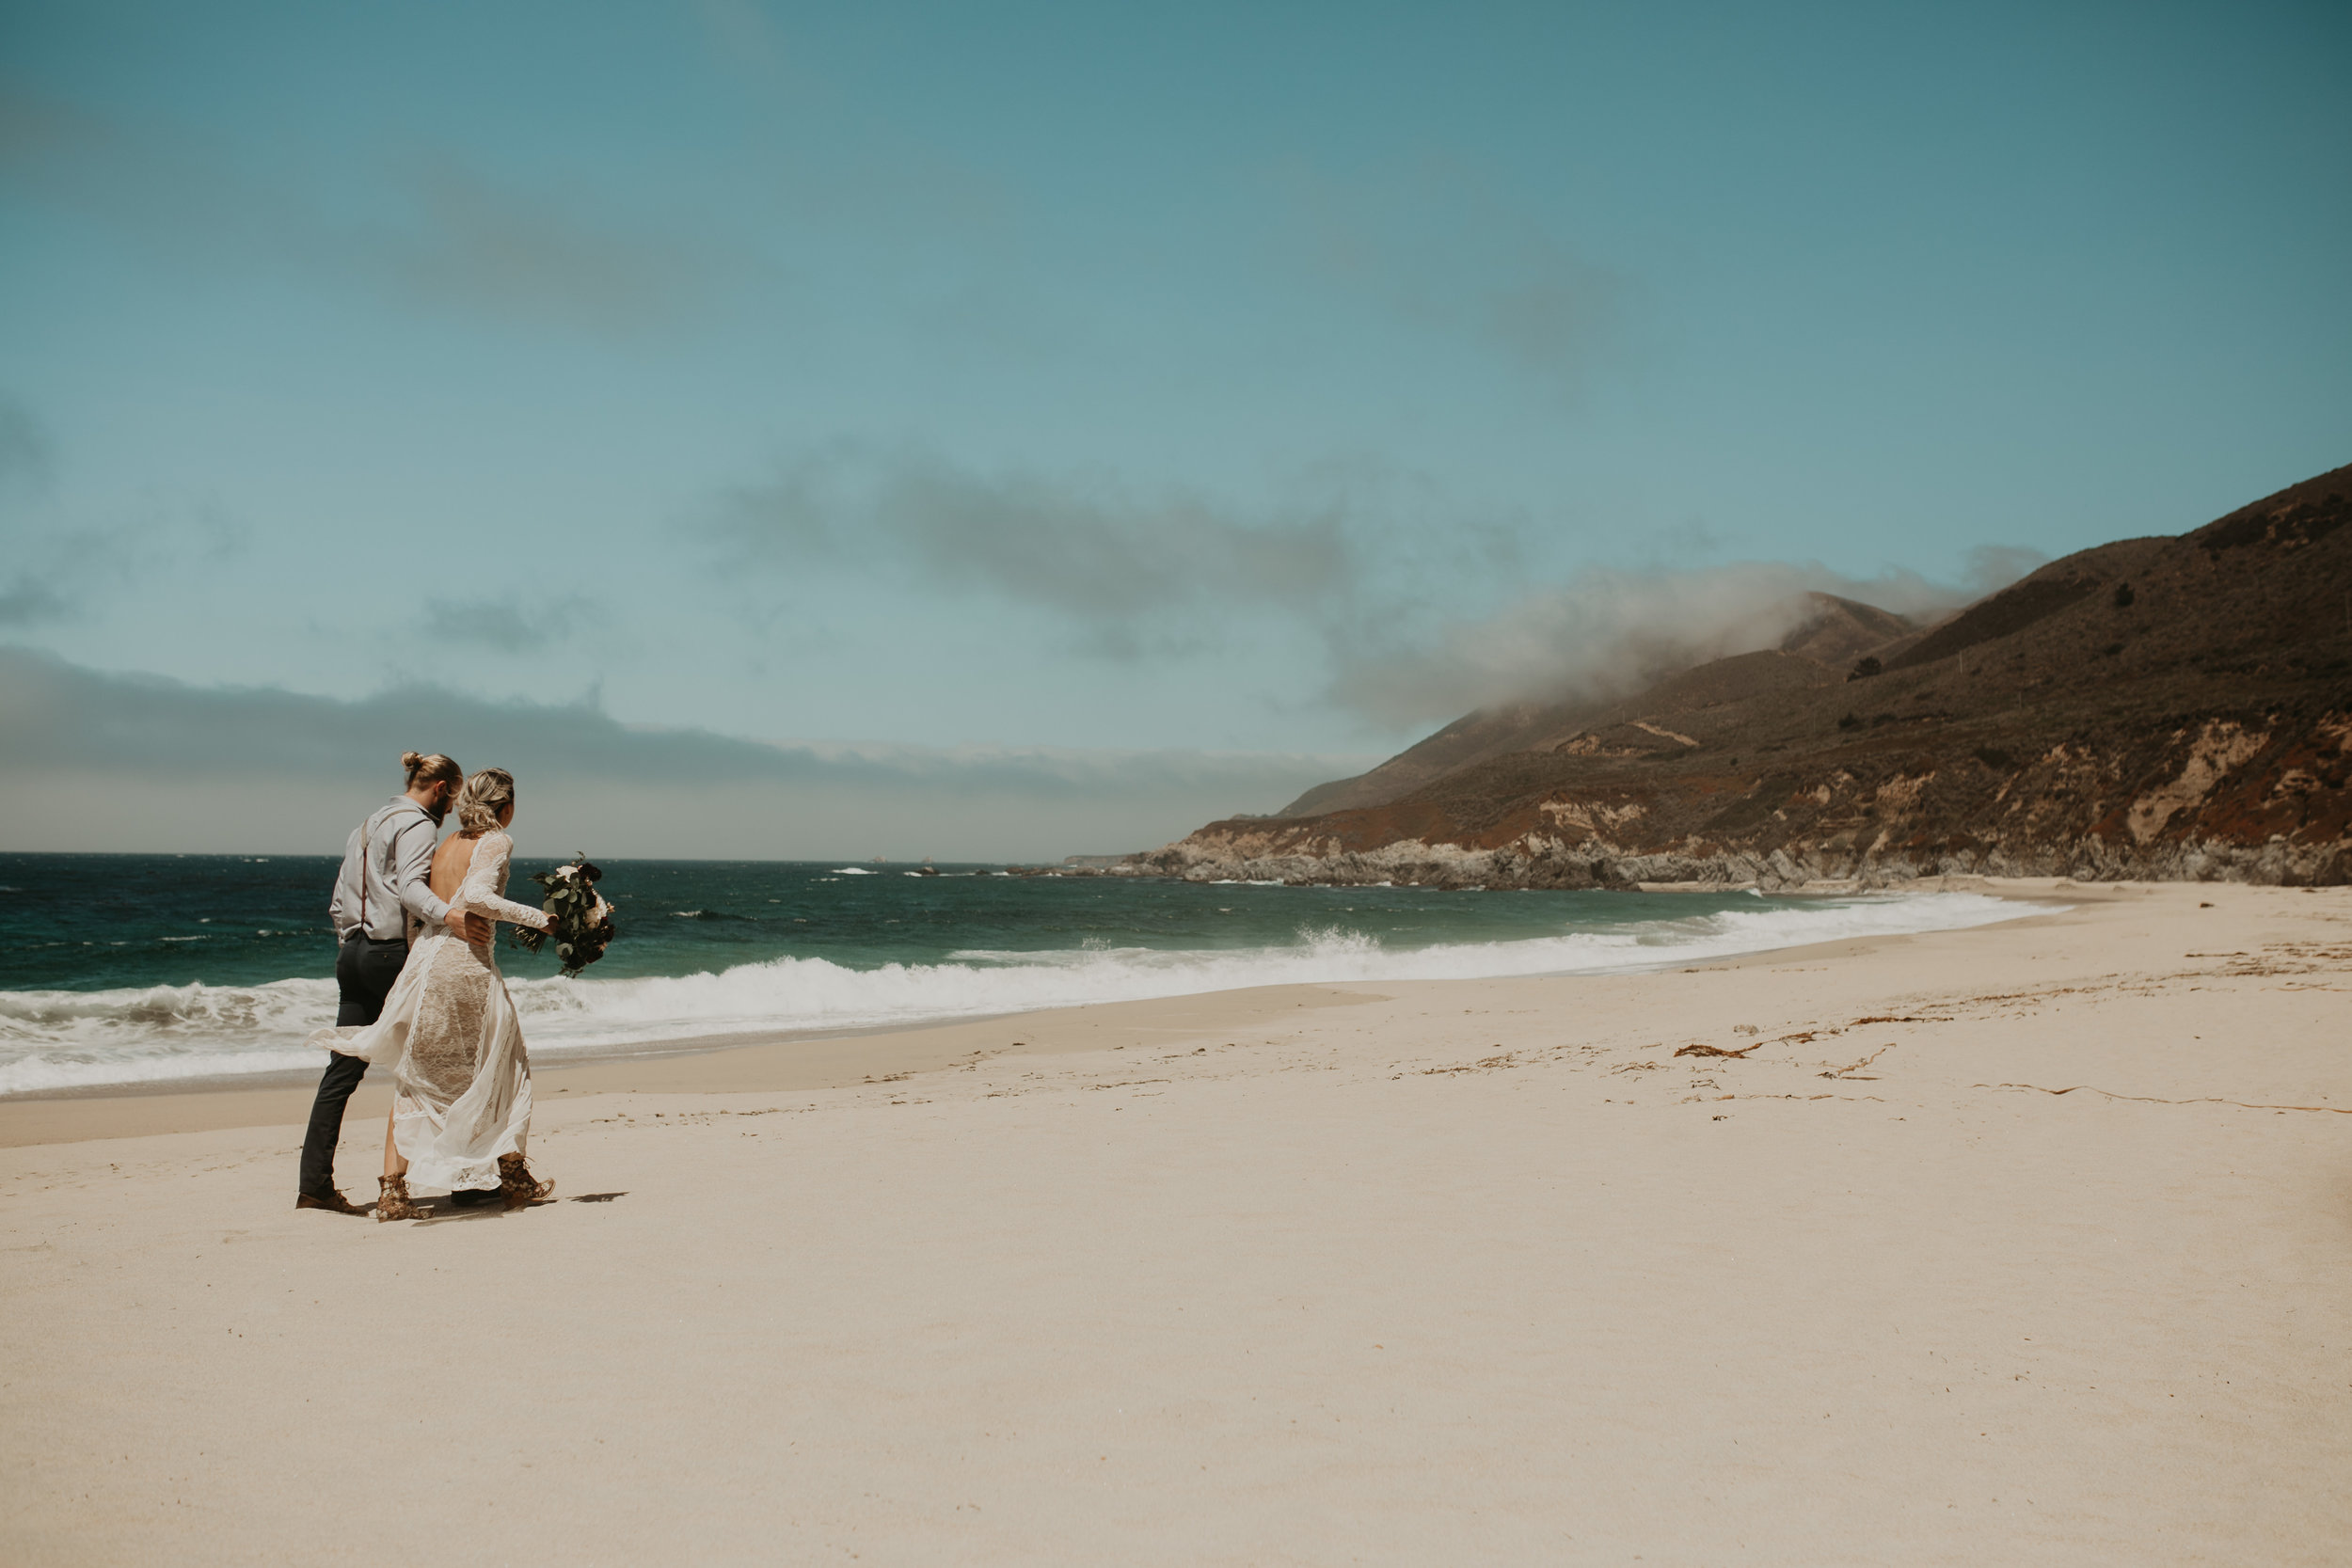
[[441, 234], [470, 244], [62, 573], [1434, 244], [1138, 575], [1992, 567], [506, 625], [59, 572], [741, 36], [30, 599], [1091, 549], [32, 591], [27, 457], [84, 753]]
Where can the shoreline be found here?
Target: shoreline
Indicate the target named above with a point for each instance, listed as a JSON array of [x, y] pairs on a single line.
[[803, 1059]]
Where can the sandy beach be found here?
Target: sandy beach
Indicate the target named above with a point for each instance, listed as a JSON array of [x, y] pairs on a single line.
[[2025, 1243]]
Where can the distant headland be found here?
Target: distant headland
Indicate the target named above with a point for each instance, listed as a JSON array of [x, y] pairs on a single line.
[[2161, 708]]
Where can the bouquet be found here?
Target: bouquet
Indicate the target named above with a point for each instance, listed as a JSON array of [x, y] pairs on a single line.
[[577, 917]]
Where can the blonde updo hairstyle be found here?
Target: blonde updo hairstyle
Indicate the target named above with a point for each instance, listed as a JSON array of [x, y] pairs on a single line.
[[484, 795], [430, 768]]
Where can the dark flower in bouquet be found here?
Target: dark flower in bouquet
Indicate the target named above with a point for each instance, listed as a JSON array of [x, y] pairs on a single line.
[[579, 922]]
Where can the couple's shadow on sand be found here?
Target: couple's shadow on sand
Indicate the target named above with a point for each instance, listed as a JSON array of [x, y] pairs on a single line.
[[441, 1210]]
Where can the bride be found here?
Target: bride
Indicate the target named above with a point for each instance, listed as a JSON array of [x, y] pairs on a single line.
[[461, 1080]]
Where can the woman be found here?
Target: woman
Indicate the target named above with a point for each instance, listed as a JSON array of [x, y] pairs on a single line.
[[461, 1080]]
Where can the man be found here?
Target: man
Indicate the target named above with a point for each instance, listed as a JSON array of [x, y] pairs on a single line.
[[382, 898]]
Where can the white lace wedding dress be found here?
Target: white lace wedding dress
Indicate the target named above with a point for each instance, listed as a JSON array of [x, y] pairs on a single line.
[[461, 1079]]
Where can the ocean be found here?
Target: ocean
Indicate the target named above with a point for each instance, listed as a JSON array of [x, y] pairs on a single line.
[[124, 969]]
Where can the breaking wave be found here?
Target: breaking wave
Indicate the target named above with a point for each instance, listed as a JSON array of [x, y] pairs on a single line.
[[67, 1039]]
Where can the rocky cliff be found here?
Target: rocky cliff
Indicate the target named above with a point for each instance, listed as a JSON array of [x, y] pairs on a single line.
[[2154, 709]]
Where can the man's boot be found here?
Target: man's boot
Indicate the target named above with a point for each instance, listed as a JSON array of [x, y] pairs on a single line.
[[333, 1202]]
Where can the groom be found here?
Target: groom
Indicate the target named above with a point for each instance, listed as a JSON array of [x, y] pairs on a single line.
[[380, 893]]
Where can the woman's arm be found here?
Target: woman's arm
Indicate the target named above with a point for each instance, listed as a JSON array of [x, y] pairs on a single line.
[[480, 891]]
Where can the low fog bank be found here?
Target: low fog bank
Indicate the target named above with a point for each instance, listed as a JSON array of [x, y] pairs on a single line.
[[95, 762], [1606, 633]]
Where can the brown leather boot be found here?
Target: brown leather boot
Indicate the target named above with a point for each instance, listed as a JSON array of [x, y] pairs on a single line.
[[394, 1204], [334, 1203], [520, 1187]]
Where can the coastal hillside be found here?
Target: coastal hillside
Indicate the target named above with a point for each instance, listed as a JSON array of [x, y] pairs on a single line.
[[2169, 708], [1834, 632]]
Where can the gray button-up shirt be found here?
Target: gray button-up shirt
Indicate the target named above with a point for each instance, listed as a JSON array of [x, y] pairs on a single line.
[[385, 869]]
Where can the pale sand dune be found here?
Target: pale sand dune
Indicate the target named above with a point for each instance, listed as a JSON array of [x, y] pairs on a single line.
[[1464, 1272]]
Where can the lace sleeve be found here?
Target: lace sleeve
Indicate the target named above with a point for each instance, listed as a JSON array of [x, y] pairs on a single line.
[[485, 878]]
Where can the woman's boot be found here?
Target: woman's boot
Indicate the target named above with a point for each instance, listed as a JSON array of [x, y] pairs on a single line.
[[392, 1202], [515, 1181]]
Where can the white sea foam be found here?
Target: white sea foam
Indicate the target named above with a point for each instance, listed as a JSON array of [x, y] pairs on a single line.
[[60, 1039], [53, 1040]]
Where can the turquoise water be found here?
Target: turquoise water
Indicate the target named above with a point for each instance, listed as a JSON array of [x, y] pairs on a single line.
[[110, 922], [122, 967]]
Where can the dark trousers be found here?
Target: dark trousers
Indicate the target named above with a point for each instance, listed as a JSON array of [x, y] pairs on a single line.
[[364, 972]]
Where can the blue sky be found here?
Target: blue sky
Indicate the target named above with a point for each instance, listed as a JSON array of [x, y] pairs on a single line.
[[1270, 382]]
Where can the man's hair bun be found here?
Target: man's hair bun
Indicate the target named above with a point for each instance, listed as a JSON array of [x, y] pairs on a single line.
[[429, 768]]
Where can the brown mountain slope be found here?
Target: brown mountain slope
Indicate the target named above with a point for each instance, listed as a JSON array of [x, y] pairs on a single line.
[[2170, 708], [1832, 634], [1842, 631], [1471, 738]]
